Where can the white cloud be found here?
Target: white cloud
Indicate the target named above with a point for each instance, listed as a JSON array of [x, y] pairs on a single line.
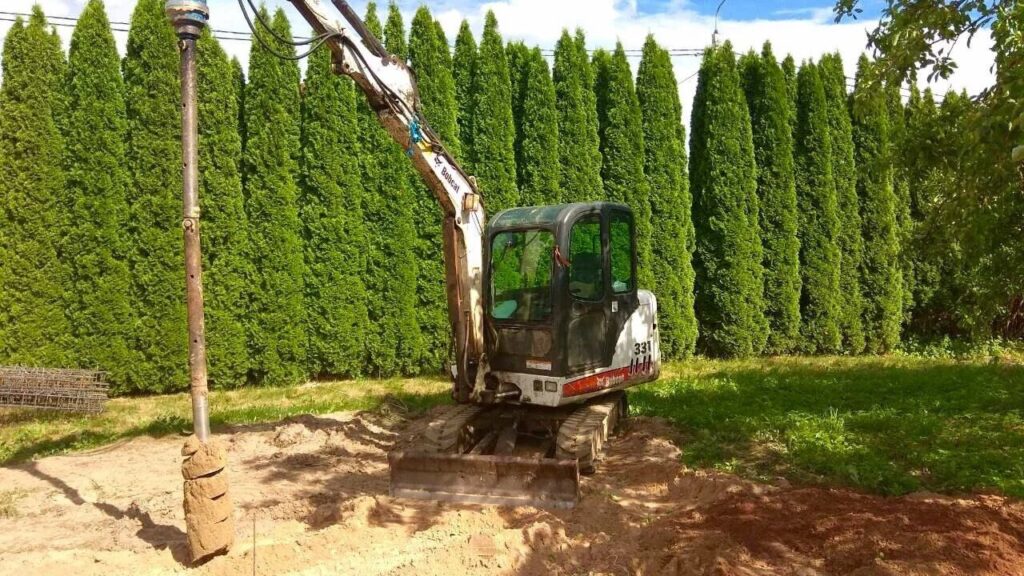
[[540, 22]]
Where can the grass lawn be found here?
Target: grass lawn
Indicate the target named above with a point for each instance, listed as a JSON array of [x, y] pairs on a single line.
[[886, 425]]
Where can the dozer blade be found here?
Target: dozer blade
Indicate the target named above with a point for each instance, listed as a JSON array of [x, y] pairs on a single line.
[[477, 479]]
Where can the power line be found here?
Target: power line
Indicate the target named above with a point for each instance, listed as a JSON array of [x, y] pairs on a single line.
[[119, 26], [238, 36]]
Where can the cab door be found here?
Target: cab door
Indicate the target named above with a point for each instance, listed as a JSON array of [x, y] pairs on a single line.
[[589, 305], [622, 283]]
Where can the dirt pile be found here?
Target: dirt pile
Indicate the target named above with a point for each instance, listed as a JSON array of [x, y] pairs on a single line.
[[311, 498]]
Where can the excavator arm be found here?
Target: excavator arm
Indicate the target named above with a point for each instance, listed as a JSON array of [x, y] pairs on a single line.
[[390, 88]]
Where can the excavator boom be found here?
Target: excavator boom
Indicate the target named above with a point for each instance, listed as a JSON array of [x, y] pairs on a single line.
[[390, 88]]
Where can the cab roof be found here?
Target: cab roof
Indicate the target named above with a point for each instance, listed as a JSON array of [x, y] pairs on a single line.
[[545, 216]]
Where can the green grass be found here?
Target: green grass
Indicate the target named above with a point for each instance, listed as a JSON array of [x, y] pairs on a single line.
[[28, 434], [886, 425]]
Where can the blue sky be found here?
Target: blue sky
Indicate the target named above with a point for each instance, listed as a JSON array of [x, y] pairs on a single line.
[[756, 9]]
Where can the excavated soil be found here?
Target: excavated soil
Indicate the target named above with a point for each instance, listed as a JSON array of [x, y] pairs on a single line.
[[311, 498]]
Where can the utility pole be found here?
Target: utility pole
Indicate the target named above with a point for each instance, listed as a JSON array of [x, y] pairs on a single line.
[[209, 513]]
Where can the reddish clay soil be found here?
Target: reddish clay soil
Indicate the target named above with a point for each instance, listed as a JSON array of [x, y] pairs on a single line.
[[311, 498]]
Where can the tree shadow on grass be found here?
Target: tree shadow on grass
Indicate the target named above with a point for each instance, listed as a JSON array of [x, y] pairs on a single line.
[[881, 426]]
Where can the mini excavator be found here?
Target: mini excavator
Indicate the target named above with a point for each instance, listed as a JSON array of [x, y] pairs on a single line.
[[548, 324]]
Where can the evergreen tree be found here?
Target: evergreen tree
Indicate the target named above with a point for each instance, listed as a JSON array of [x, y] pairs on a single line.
[[880, 269], [789, 73], [32, 196], [492, 144], [672, 228], [442, 39], [621, 134], [935, 162], [99, 300], [225, 236], [537, 133], [844, 173], [517, 55], [428, 54], [463, 71], [579, 150], [394, 342], [901, 188], [271, 166], [335, 236], [152, 96], [238, 78], [819, 219], [768, 100], [730, 283]]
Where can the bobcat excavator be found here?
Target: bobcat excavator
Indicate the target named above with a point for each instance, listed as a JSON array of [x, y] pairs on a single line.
[[548, 324]]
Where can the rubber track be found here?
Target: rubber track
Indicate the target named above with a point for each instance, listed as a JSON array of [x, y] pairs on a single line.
[[443, 432], [583, 434]]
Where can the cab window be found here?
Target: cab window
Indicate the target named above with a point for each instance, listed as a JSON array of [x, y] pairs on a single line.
[[521, 264], [621, 232], [586, 270]]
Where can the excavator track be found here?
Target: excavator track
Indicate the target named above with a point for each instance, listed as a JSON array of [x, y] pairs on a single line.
[[584, 433], [470, 454], [447, 431]]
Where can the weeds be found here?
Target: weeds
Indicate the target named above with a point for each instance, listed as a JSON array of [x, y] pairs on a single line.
[[9, 502]]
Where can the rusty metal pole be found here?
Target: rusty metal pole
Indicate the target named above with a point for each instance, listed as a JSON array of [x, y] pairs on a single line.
[[209, 513], [190, 229]]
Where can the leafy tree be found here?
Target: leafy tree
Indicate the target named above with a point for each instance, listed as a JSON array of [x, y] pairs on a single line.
[[578, 141], [880, 274], [517, 55], [152, 95], [935, 163], [334, 236], [428, 53], [820, 304], [99, 300], [429, 56], [622, 147], [789, 73], [394, 344], [225, 236], [536, 132], [278, 332], [988, 201], [463, 71], [32, 193], [730, 283], [492, 144], [844, 172], [901, 187], [238, 78], [768, 100], [672, 229]]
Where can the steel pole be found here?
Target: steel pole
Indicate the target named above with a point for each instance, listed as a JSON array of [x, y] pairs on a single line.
[[193, 252], [189, 18]]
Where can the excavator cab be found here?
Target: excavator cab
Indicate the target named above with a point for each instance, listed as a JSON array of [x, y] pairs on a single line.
[[562, 301]]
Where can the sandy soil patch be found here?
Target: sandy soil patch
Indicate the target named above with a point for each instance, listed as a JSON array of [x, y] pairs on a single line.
[[311, 497]]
